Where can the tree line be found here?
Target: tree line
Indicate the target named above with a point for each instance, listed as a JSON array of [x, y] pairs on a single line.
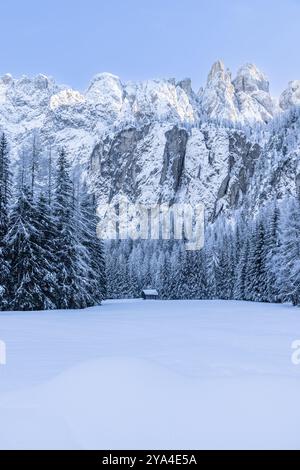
[[252, 259], [50, 256]]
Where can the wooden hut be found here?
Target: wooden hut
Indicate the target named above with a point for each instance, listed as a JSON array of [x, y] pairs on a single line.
[[150, 294]]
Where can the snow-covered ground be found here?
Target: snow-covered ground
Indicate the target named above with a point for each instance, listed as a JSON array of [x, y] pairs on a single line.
[[159, 375]]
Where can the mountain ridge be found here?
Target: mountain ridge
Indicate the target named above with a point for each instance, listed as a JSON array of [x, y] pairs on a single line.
[[159, 140]]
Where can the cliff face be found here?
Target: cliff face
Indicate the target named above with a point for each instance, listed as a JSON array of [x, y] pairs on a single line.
[[165, 163]]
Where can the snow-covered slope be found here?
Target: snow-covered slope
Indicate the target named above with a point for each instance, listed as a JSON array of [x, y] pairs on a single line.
[[224, 380], [277, 170]]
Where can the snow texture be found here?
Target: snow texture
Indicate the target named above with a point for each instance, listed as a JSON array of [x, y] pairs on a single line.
[[159, 375]]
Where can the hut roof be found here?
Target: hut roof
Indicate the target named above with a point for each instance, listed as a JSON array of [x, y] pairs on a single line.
[[150, 292]]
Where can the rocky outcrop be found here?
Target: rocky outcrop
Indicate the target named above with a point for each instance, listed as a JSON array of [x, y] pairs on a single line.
[[166, 164], [173, 161], [218, 100], [291, 96], [245, 99], [252, 92]]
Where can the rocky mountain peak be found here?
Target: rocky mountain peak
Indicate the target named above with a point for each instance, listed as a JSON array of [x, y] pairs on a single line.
[[245, 99], [291, 96], [217, 71], [7, 79], [186, 85], [103, 83], [218, 99], [249, 79], [105, 92], [253, 95]]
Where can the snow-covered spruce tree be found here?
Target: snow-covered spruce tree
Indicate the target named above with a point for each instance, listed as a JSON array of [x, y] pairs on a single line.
[[211, 265], [110, 255], [5, 184], [177, 284], [272, 217], [240, 255], [148, 251], [165, 286], [193, 276], [131, 260], [133, 268], [96, 272], [224, 269], [47, 239], [123, 260], [183, 277], [122, 287], [34, 162], [72, 258], [256, 281], [289, 255], [241, 273], [112, 267], [5, 174], [230, 262], [29, 256]]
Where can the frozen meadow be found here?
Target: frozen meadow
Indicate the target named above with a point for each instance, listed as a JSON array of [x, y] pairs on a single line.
[[159, 375]]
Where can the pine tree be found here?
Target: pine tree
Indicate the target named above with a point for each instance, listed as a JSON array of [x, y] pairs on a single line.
[[193, 276], [240, 288], [256, 275], [289, 255], [34, 162], [272, 249], [29, 256], [165, 277], [5, 177], [211, 265], [250, 268], [50, 177], [96, 271], [119, 277], [222, 268], [69, 269], [46, 225], [177, 285], [5, 184]]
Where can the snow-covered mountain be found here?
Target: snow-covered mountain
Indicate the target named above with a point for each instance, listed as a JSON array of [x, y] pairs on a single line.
[[245, 99], [158, 140]]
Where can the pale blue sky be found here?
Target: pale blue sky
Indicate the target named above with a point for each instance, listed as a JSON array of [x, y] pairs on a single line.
[[137, 39]]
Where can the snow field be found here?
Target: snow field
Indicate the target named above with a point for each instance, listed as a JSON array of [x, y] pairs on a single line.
[[159, 375]]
